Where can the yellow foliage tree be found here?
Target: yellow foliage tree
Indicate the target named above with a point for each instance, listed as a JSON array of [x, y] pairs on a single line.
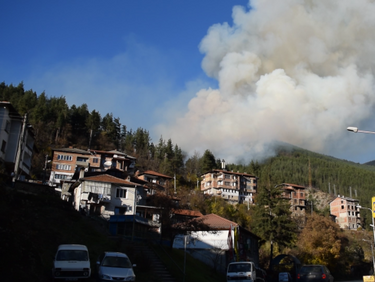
[[319, 241]]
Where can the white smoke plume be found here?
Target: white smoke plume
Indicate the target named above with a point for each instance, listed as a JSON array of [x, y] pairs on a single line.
[[296, 71]]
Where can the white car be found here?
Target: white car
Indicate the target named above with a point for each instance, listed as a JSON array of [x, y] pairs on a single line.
[[242, 271], [71, 262], [114, 266]]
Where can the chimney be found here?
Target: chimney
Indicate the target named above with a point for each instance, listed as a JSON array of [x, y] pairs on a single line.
[[223, 164], [81, 173]]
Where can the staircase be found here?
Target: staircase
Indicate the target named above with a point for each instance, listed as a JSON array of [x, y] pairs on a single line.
[[161, 273]]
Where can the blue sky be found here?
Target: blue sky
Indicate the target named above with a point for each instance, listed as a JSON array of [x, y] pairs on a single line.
[[208, 74], [125, 57]]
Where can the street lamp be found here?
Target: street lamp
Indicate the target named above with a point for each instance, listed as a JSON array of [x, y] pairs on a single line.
[[372, 251], [356, 130]]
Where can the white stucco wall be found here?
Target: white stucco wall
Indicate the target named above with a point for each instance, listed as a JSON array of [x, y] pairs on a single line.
[[203, 240]]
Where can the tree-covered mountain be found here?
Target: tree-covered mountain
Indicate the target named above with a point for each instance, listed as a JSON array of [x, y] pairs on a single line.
[[58, 125]]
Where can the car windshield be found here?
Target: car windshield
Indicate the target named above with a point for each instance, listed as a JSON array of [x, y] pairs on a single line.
[[310, 269], [72, 255], [121, 262], [239, 267]]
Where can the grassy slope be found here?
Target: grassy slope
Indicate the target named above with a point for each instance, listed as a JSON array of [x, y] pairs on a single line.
[[32, 226]]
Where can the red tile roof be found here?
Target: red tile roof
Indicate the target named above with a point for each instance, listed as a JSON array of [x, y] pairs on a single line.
[[109, 179], [217, 222], [294, 185], [151, 172]]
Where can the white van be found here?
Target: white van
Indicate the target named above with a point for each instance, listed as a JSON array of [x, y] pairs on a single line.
[[241, 271], [71, 262]]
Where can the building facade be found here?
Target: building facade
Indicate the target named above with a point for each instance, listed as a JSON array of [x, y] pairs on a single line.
[[235, 187], [68, 161], [296, 194], [346, 213], [16, 141]]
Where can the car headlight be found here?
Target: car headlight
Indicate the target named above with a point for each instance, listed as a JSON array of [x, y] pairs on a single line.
[[103, 276], [130, 278]]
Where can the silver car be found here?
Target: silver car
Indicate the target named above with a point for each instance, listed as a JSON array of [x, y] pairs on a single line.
[[114, 266]]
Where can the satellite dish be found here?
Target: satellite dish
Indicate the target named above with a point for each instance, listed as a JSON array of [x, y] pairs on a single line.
[[107, 163]]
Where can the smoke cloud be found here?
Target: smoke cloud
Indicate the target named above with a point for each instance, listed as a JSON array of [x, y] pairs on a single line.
[[293, 71]]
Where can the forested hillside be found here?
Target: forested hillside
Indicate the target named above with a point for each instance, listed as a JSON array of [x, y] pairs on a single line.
[[58, 125]]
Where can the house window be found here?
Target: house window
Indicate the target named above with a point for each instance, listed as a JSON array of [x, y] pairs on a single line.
[[64, 157], [61, 176], [227, 176], [3, 146], [63, 167], [95, 160], [342, 207], [7, 126], [227, 183], [80, 159], [121, 193]]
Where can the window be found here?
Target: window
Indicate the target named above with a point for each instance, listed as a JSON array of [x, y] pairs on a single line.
[[95, 160], [3, 146], [227, 176], [7, 126], [80, 159], [63, 167], [121, 193], [64, 157], [61, 176], [226, 183]]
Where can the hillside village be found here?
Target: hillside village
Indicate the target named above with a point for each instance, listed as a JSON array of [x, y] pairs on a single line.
[[139, 203]]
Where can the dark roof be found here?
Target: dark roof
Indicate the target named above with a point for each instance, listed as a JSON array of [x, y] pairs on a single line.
[[72, 150], [230, 172], [151, 172], [108, 179]]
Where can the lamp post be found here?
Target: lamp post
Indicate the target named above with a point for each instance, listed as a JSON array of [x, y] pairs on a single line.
[[372, 217], [356, 130], [372, 252]]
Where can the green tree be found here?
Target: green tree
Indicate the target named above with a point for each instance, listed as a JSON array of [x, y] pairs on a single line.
[[271, 219], [208, 161]]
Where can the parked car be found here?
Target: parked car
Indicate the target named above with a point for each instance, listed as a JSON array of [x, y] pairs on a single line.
[[285, 277], [71, 262], [314, 273], [242, 271], [114, 266]]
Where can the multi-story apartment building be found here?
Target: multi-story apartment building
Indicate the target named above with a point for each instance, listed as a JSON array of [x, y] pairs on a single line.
[[67, 161], [296, 195], [346, 213], [155, 181], [234, 187], [17, 141]]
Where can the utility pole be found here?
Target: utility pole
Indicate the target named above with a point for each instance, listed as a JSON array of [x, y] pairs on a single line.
[[19, 149]]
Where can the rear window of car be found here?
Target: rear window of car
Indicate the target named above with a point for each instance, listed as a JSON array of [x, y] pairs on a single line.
[[121, 262], [310, 269], [72, 255], [239, 267]]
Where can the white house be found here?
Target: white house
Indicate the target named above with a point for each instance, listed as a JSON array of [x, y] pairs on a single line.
[[107, 195], [213, 246]]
